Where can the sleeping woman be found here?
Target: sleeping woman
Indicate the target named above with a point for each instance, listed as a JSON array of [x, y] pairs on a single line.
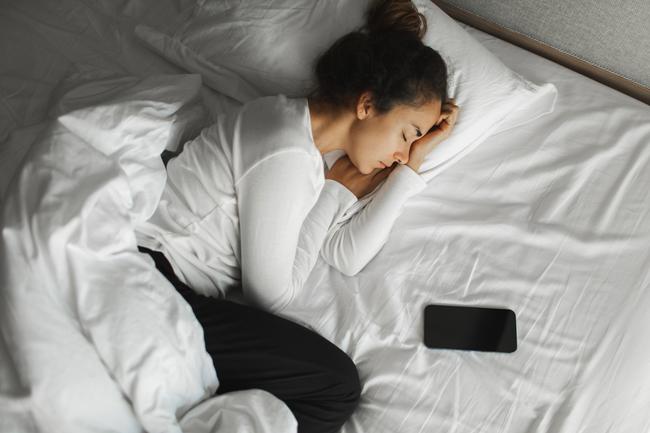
[[249, 203]]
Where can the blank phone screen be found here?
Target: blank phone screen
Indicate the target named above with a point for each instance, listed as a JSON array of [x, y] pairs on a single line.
[[470, 328]]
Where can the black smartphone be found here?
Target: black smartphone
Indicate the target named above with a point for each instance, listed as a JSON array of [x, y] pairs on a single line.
[[470, 328]]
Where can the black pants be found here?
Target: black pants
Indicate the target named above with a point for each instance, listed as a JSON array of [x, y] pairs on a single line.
[[252, 348]]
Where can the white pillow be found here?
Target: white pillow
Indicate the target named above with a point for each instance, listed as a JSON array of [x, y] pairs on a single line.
[[264, 47]]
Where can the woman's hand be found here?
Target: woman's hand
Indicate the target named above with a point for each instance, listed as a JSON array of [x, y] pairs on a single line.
[[440, 132], [347, 174]]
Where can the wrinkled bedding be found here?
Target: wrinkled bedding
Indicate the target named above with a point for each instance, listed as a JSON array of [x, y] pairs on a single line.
[[550, 219], [100, 340]]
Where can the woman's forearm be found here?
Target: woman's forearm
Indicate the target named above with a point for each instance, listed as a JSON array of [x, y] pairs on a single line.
[[351, 245]]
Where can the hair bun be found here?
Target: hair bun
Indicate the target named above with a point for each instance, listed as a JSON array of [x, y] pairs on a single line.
[[395, 15]]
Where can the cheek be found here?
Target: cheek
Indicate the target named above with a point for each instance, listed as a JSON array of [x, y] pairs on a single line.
[[360, 160], [371, 142], [361, 144]]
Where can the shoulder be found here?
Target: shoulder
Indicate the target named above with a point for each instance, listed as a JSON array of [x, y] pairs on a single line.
[[276, 118], [288, 167], [270, 126]]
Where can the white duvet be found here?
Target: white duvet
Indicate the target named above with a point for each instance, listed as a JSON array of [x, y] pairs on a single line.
[[93, 337]]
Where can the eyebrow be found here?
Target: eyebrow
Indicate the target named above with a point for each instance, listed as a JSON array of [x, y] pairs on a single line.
[[417, 130]]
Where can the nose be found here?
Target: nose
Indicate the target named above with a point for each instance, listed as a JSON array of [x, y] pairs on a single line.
[[402, 157]]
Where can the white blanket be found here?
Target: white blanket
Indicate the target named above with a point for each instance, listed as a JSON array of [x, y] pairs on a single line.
[[94, 338]]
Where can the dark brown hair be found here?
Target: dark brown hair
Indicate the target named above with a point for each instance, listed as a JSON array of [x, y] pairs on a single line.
[[387, 15], [386, 57]]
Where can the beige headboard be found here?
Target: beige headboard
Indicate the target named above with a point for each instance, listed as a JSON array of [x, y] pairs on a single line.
[[608, 41]]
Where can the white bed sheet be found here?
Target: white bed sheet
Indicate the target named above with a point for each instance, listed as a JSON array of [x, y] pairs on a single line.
[[550, 219]]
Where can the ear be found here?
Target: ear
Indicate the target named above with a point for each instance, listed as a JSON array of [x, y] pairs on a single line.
[[364, 105]]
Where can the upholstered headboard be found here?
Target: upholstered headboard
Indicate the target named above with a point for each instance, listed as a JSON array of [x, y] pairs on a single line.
[[606, 40]]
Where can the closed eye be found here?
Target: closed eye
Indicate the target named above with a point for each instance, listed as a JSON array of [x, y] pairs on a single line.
[[404, 137]]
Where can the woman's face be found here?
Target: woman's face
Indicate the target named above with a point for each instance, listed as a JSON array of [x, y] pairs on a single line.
[[376, 141]]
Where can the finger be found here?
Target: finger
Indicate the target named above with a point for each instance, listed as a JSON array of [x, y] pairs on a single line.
[[382, 172], [443, 117], [449, 109], [451, 115], [380, 176], [454, 115], [449, 124], [444, 126], [446, 113]]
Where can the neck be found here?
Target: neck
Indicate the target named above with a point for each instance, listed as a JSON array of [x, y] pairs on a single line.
[[330, 129]]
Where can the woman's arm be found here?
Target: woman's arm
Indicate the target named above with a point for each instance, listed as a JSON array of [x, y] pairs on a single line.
[[350, 246], [283, 222]]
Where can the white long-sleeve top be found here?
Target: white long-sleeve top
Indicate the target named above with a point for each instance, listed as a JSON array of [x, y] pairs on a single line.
[[247, 203]]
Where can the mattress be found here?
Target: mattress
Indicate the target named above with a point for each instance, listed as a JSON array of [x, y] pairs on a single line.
[[550, 219]]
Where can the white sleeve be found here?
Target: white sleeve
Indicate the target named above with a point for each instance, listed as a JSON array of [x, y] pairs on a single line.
[[280, 235], [350, 246]]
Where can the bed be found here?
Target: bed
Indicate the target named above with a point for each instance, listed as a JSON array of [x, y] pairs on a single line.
[[550, 219]]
